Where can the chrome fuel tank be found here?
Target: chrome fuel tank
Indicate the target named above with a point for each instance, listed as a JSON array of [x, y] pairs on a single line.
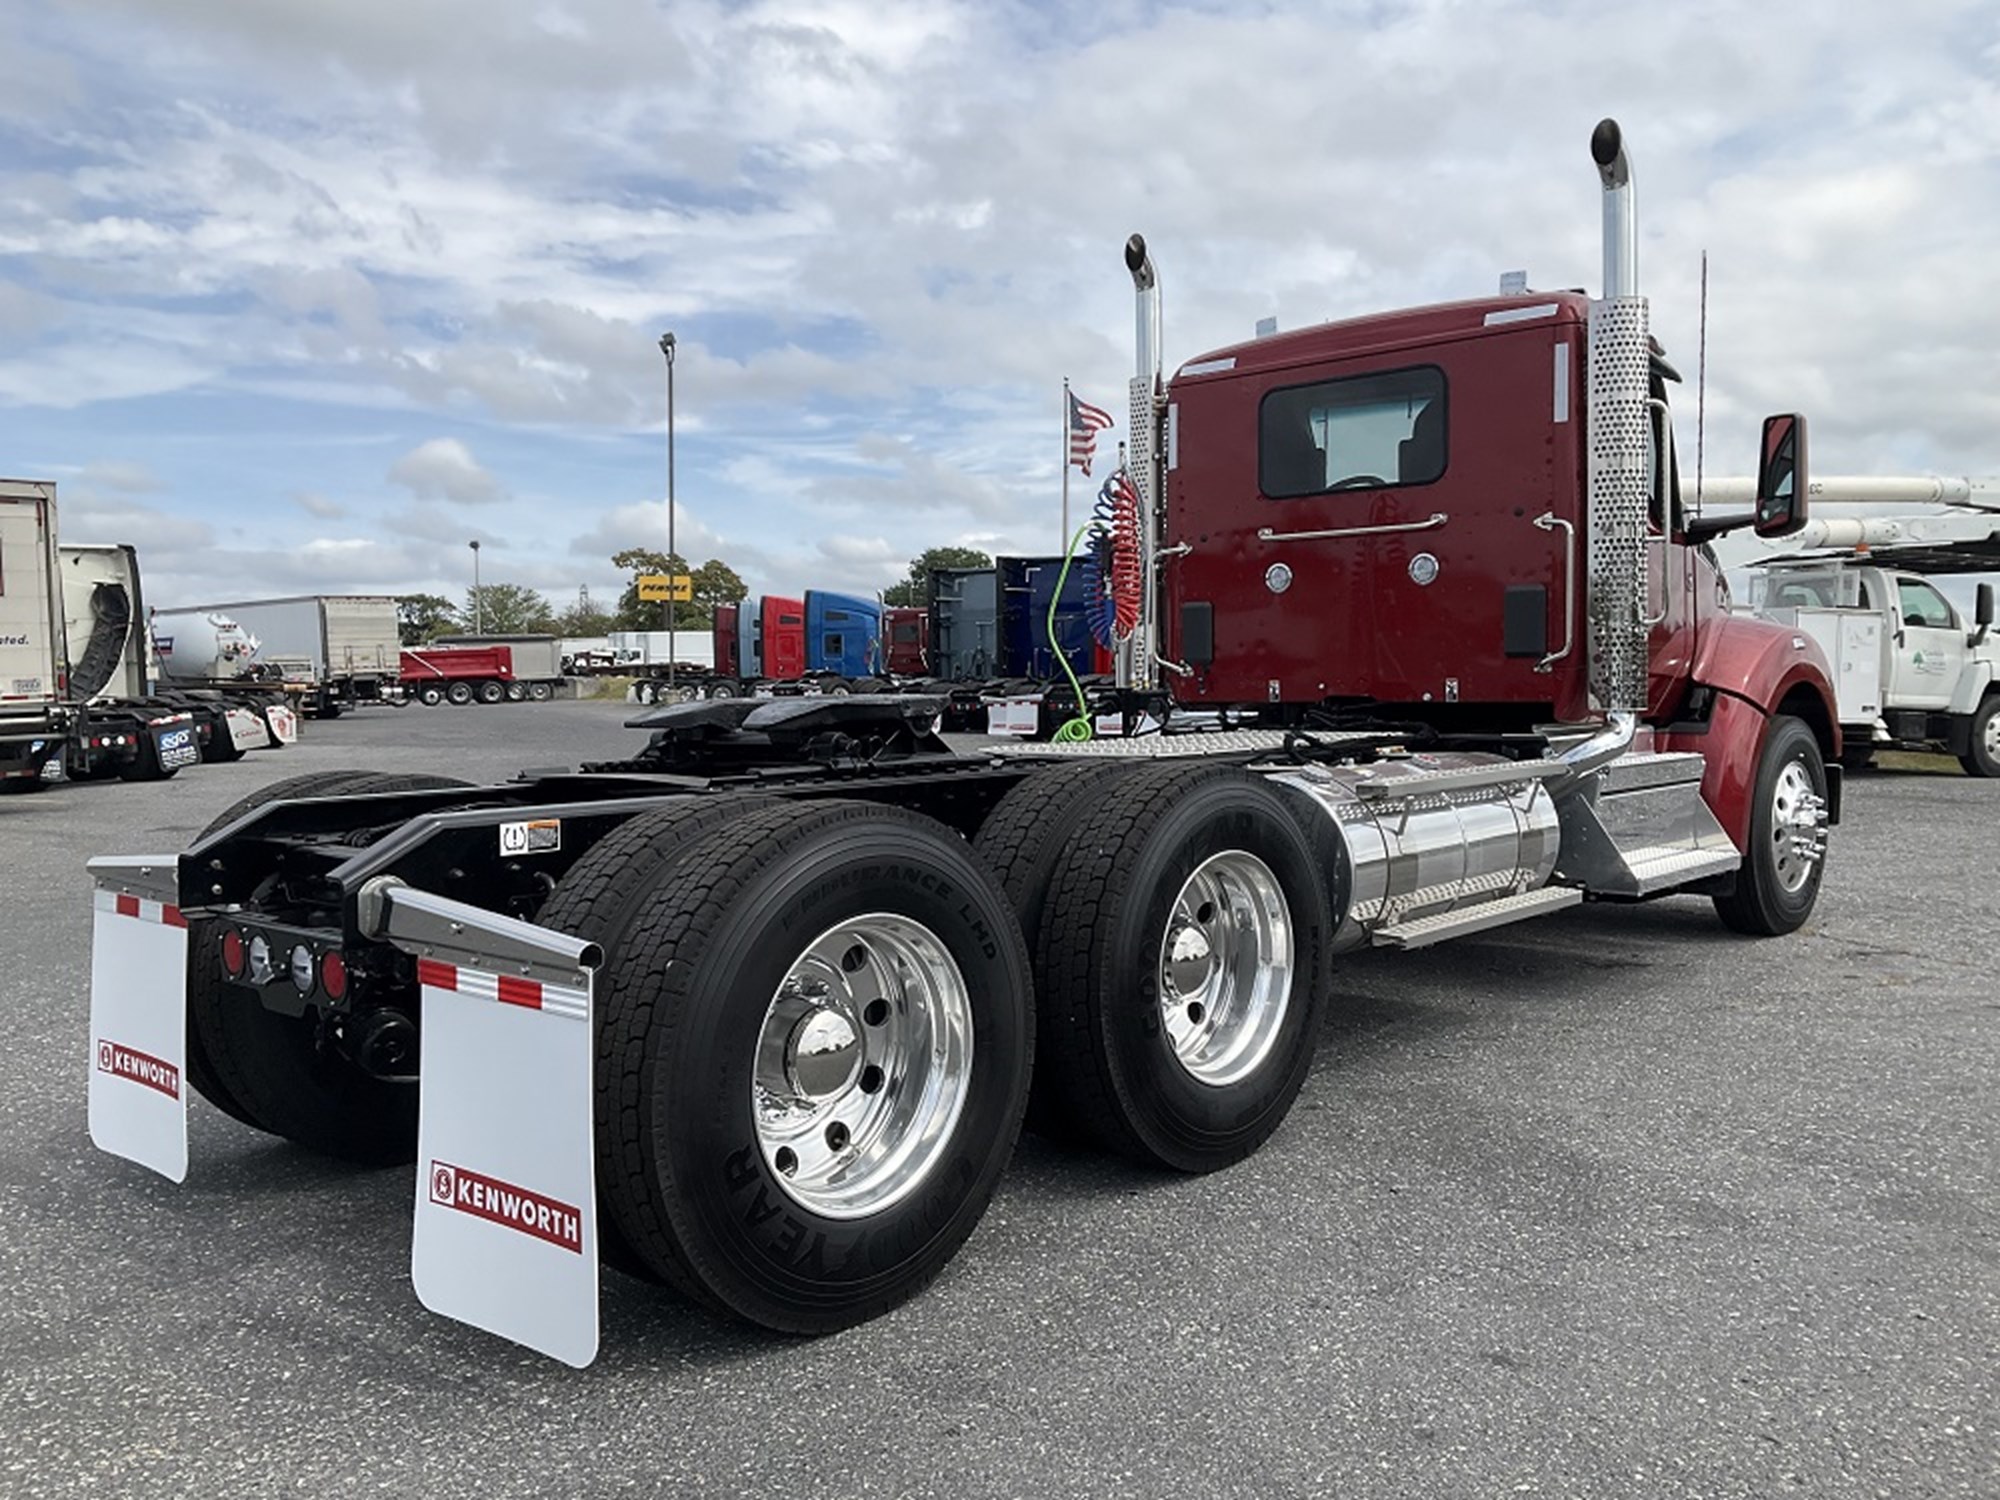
[[1399, 849]]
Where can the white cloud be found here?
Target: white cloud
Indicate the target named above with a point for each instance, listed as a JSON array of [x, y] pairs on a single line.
[[884, 234], [444, 469]]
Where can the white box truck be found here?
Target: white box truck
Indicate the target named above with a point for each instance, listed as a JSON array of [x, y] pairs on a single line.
[[33, 718]]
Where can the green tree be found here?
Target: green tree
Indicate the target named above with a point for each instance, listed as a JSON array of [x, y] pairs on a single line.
[[715, 582], [584, 617], [507, 609], [422, 617], [915, 588]]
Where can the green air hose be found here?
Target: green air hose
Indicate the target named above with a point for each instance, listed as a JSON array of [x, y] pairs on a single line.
[[1076, 730]]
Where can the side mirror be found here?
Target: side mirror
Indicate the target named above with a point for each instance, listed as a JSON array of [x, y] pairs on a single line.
[[1781, 476], [1982, 614]]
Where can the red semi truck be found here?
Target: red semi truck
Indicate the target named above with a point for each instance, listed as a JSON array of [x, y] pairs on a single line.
[[756, 1011]]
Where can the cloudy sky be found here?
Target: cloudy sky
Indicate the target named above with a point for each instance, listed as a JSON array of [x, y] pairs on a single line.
[[302, 295]]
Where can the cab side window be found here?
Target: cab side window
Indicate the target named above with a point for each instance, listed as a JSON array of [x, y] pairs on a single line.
[[1923, 605]]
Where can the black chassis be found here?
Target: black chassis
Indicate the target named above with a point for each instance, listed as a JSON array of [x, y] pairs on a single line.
[[293, 871]]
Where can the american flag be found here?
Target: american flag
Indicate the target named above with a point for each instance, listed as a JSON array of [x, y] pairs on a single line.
[[1085, 422]]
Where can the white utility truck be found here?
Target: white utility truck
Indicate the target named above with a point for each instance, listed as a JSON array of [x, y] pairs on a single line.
[[1910, 671]]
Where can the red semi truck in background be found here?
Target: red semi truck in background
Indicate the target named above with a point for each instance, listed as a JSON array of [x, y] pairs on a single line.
[[779, 984]]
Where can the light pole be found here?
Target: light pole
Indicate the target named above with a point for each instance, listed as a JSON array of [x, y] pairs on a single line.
[[477, 618], [667, 349]]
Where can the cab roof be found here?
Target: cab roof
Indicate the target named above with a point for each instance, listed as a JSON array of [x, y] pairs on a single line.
[[1392, 330]]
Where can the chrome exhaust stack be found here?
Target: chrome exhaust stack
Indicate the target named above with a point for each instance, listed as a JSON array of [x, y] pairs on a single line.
[[1138, 655], [1621, 219], [1620, 438]]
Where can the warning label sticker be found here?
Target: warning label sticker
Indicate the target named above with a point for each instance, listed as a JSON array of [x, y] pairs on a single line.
[[536, 836]]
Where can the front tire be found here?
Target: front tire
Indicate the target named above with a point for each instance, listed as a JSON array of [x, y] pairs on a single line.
[[1982, 749], [820, 1032], [1182, 961], [1778, 881]]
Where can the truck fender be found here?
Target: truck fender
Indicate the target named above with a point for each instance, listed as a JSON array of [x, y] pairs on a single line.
[[1974, 683], [1754, 669]]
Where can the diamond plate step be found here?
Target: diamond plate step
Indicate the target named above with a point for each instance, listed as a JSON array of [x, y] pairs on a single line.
[[1424, 931], [1175, 746], [1632, 773], [1656, 870]]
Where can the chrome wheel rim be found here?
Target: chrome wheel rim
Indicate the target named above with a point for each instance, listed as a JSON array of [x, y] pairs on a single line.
[[1991, 736], [1225, 968], [863, 1065], [1798, 827]]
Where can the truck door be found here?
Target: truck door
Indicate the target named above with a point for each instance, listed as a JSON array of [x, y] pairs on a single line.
[[1927, 651]]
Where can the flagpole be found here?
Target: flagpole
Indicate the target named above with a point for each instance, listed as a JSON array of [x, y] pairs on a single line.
[[1062, 541]]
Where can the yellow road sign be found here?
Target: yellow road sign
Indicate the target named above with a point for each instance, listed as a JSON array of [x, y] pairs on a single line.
[[662, 588]]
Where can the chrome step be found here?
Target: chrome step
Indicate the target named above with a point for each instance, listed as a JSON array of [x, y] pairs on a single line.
[[1654, 870], [1424, 931], [1632, 773]]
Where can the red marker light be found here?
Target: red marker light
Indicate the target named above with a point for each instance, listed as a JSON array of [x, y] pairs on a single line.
[[333, 976], [232, 953]]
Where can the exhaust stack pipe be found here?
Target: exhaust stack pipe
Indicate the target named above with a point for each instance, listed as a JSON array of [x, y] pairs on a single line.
[[1137, 656], [1620, 426], [1621, 216]]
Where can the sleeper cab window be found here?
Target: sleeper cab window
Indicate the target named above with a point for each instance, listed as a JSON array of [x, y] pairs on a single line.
[[1367, 432]]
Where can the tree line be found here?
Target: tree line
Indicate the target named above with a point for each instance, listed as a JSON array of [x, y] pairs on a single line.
[[514, 609]]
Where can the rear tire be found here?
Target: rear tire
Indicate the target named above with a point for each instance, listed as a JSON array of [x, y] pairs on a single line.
[[832, 910], [459, 694], [1182, 954], [1982, 749], [1022, 840], [270, 1067], [516, 691], [597, 899], [722, 690], [492, 692], [540, 692], [1778, 881], [430, 695], [145, 764]]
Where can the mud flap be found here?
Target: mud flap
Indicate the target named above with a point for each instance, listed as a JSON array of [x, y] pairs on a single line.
[[505, 1236], [138, 1013]]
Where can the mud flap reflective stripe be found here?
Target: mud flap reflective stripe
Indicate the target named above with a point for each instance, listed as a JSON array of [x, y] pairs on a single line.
[[138, 1013], [505, 1236]]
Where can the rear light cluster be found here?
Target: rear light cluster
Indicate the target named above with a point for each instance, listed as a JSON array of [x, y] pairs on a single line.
[[251, 960]]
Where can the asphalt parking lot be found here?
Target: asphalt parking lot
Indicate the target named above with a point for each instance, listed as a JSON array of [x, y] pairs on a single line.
[[1612, 1203]]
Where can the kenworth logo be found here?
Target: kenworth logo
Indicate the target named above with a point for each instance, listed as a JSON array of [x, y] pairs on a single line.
[[502, 1203], [140, 1067]]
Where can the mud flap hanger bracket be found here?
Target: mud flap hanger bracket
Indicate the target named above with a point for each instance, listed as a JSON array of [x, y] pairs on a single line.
[[436, 927]]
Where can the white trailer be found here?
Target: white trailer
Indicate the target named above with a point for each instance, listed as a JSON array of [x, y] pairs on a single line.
[[33, 719], [343, 648]]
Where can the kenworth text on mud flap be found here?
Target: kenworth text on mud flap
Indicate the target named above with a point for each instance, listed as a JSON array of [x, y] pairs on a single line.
[[755, 1012]]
